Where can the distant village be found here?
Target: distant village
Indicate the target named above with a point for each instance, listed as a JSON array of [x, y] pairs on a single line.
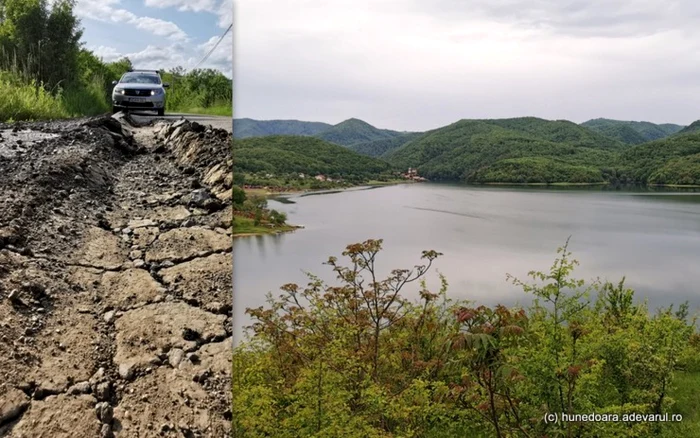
[[411, 174]]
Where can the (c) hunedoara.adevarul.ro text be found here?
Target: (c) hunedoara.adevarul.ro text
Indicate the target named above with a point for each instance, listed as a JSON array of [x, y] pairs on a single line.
[[603, 418]]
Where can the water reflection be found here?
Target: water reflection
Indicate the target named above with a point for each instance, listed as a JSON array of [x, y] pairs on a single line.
[[651, 237]]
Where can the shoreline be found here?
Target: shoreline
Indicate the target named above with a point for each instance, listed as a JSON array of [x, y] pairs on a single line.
[[286, 194], [376, 184], [557, 184], [370, 184]]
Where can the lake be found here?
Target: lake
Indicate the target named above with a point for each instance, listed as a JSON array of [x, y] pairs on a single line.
[[651, 238]]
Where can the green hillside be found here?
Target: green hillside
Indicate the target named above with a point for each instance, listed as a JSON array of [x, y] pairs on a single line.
[[355, 131], [623, 133], [504, 151], [378, 148], [246, 128], [525, 150], [285, 157], [693, 127], [558, 131], [632, 132], [671, 161]]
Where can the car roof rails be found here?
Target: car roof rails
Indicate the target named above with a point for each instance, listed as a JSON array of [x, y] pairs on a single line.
[[150, 71]]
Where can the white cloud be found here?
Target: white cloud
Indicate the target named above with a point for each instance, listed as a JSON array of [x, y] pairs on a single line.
[[152, 57], [411, 64], [160, 28], [180, 51], [108, 54], [184, 5], [225, 13], [222, 8], [107, 11], [170, 56], [222, 57]]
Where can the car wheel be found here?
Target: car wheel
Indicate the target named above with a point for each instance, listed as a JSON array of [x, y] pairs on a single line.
[[115, 110], [161, 112]]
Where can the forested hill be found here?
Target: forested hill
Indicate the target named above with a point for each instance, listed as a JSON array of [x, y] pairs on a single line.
[[693, 127], [246, 128], [524, 150], [632, 132], [290, 156], [351, 132], [558, 131], [379, 148], [355, 131], [674, 160]]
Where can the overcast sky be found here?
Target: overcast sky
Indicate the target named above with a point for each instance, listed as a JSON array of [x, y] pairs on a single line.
[[159, 33], [420, 64]]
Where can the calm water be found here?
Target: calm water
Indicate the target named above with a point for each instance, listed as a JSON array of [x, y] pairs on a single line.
[[651, 238]]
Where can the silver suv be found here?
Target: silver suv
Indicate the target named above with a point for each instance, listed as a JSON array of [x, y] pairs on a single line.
[[139, 89]]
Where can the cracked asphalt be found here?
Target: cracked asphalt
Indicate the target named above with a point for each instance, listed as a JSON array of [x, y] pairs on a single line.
[[115, 279]]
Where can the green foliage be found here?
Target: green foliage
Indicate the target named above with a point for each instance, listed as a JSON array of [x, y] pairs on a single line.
[[378, 148], [693, 127], [673, 160], [41, 63], [40, 42], [24, 100], [245, 128], [27, 101], [288, 156], [357, 359], [687, 398], [201, 90], [277, 217], [238, 196], [47, 74], [354, 131], [557, 131], [493, 151], [537, 170], [524, 150], [632, 132]]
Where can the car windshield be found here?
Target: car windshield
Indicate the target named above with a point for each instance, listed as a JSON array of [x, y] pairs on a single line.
[[136, 78]]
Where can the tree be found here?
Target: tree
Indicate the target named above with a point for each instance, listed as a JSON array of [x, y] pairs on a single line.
[[43, 44], [61, 45], [239, 196], [277, 218]]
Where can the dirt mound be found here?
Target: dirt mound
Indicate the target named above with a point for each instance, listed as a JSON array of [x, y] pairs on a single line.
[[200, 149], [115, 315]]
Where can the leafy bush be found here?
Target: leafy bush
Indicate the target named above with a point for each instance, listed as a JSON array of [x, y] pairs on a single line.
[[358, 359]]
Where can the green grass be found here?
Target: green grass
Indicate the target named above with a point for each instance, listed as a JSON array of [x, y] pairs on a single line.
[[686, 392], [246, 226], [24, 100], [224, 111]]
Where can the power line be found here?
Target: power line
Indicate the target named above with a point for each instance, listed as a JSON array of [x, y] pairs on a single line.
[[213, 48]]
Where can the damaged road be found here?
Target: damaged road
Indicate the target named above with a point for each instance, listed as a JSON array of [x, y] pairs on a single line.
[[115, 279]]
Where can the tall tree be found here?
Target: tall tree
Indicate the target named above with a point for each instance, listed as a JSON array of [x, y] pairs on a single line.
[[61, 45], [42, 43]]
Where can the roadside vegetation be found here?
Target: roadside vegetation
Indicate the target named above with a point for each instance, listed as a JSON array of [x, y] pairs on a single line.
[[46, 73], [357, 359]]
